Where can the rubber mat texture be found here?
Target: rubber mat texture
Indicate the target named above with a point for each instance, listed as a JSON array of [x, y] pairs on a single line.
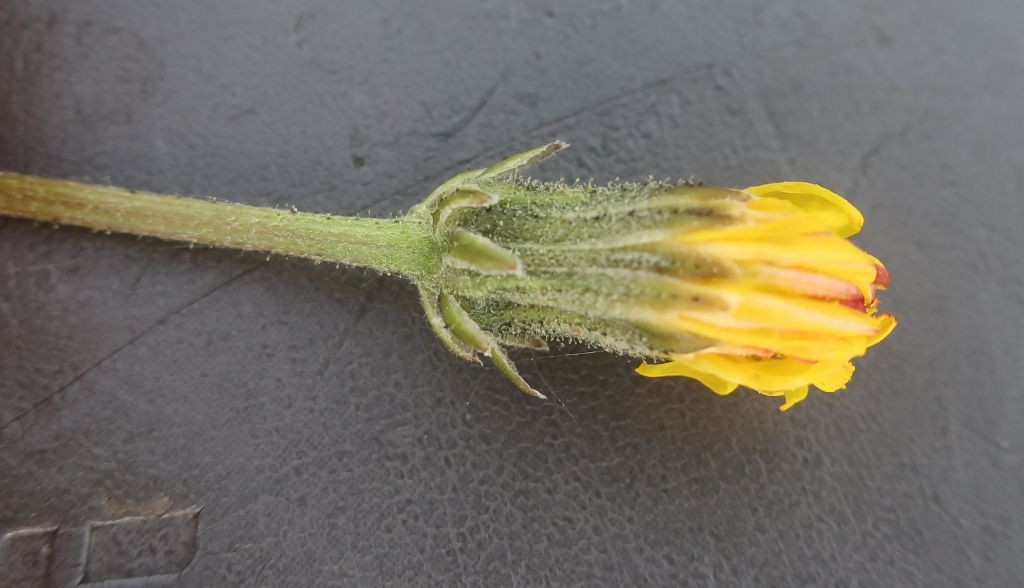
[[192, 417]]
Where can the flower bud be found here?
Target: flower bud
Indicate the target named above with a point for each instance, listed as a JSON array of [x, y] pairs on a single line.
[[756, 287]]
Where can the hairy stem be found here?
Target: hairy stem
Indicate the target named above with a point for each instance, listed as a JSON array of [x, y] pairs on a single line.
[[401, 246]]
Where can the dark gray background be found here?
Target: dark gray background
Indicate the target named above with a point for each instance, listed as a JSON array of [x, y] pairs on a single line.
[[331, 441]]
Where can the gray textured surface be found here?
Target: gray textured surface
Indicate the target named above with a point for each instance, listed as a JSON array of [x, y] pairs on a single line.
[[331, 441]]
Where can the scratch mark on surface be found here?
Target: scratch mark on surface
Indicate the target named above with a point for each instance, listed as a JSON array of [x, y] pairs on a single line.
[[467, 119], [611, 101], [554, 395], [866, 158], [999, 445], [361, 311], [41, 402], [134, 286], [476, 388], [259, 574], [547, 126], [879, 145], [773, 130]]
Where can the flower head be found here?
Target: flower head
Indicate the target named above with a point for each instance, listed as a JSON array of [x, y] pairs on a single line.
[[757, 287], [802, 298]]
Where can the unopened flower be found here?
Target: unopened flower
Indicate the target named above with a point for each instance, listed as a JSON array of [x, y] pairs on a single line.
[[801, 299], [756, 287]]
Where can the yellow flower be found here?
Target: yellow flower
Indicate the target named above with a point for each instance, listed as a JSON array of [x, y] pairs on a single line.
[[757, 287], [801, 298]]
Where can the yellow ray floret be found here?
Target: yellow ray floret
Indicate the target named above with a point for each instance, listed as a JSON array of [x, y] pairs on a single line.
[[800, 304], [843, 218]]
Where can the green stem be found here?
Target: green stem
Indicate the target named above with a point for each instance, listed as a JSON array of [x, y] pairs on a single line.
[[401, 246]]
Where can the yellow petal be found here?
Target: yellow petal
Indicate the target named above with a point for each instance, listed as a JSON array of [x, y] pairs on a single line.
[[801, 281], [799, 298], [793, 396], [810, 346], [886, 324], [796, 223], [771, 377], [830, 378], [754, 308], [679, 368], [825, 254], [767, 376], [843, 218]]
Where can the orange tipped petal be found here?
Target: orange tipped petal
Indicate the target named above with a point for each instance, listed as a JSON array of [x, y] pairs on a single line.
[[882, 276], [807, 282]]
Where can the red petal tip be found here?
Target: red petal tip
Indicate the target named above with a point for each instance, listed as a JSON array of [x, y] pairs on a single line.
[[882, 277]]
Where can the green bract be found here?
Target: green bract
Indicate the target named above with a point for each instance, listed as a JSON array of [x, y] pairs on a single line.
[[522, 262]]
